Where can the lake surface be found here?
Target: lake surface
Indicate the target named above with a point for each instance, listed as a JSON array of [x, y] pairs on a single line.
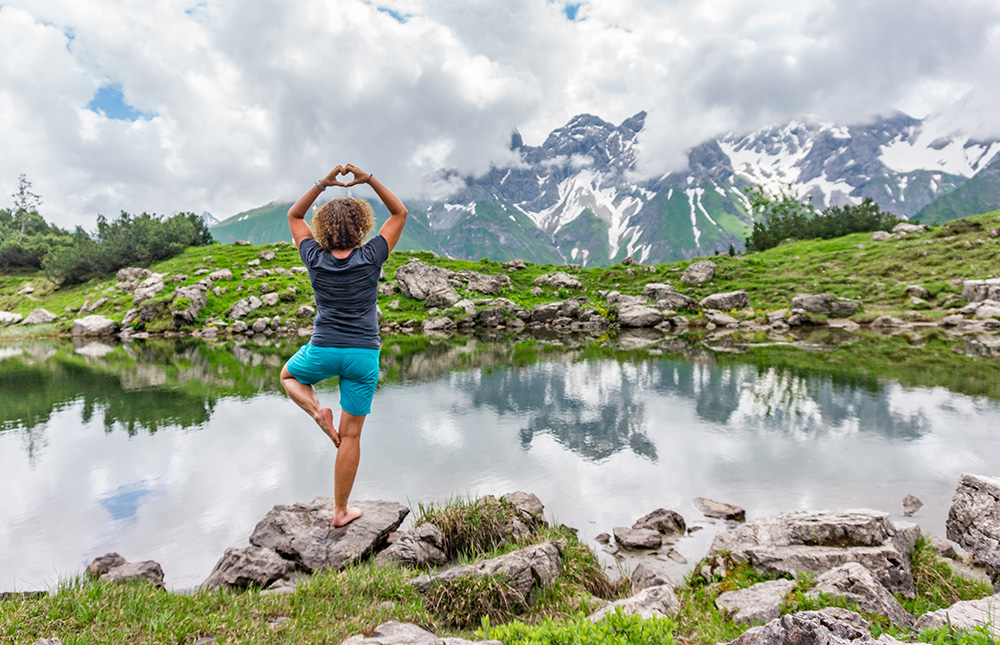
[[172, 451]]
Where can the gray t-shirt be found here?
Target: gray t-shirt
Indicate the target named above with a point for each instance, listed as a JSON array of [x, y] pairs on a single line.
[[346, 292]]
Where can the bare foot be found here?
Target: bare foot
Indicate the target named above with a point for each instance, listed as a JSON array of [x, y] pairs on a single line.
[[325, 422], [342, 519]]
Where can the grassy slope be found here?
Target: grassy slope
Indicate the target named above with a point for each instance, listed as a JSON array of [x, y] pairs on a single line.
[[979, 194], [877, 273]]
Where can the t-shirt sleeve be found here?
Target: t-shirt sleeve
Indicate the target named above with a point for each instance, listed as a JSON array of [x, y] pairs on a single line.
[[378, 249], [309, 250]]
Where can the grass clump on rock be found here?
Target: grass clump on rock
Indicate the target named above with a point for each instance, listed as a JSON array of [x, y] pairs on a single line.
[[471, 526]]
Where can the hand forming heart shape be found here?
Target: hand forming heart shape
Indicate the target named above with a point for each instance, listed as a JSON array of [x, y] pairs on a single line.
[[358, 176]]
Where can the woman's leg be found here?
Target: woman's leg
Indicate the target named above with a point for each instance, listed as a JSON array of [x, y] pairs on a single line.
[[305, 397], [346, 467]]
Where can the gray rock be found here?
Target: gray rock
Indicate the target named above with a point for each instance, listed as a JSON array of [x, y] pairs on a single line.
[[528, 506], [980, 290], [557, 280], [101, 565], [198, 298], [267, 255], [132, 274], [965, 614], [988, 311], [415, 278], [917, 291], [719, 318], [656, 291], [251, 565], [819, 541], [826, 304], [91, 307], [422, 546], [147, 571], [465, 305], [546, 312], [8, 318], [651, 602], [441, 295], [270, 299], [726, 301], [304, 534], [952, 320], [394, 633], [526, 570], [699, 272], [238, 327], [888, 321], [513, 265], [720, 510], [758, 603], [39, 316], [776, 315], [808, 628], [646, 575], [492, 285], [855, 583], [944, 548], [305, 311], [254, 263], [974, 520], [852, 618], [639, 316], [878, 236], [242, 307], [911, 505], [637, 538], [148, 288], [221, 274], [298, 270], [677, 301], [440, 323], [908, 229], [94, 325], [662, 521], [260, 325]]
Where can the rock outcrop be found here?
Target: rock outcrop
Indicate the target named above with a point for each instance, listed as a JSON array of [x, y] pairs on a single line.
[[94, 325], [112, 567], [966, 614], [727, 300], [855, 583], [422, 546], [415, 279], [699, 272], [252, 565], [757, 603], [809, 628], [974, 520], [39, 316], [658, 601]]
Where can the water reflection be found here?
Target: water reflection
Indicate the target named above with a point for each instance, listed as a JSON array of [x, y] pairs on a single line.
[[172, 450]]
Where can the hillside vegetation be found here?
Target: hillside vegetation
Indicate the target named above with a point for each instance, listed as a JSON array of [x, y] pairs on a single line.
[[853, 266]]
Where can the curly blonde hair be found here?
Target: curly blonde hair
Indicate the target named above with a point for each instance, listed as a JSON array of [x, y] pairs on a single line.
[[343, 223]]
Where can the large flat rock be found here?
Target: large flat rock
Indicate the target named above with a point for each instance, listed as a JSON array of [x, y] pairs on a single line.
[[304, 533], [974, 520], [966, 614], [757, 603]]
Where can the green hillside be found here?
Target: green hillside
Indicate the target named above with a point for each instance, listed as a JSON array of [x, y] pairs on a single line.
[[980, 194], [262, 225], [588, 233]]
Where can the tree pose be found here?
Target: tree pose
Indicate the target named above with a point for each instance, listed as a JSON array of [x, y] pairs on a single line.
[[344, 272]]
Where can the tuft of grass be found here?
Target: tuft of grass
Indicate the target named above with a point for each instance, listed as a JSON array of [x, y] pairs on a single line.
[[618, 628], [470, 526], [463, 602], [938, 585]]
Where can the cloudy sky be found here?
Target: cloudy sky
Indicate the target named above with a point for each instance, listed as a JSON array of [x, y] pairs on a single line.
[[223, 105]]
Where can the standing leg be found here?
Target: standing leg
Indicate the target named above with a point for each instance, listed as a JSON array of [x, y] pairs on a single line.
[[346, 467], [305, 397]]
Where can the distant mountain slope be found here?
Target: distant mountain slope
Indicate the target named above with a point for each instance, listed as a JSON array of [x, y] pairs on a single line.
[[259, 225], [576, 197], [981, 194]]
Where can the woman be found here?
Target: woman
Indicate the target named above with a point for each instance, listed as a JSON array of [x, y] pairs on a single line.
[[345, 342]]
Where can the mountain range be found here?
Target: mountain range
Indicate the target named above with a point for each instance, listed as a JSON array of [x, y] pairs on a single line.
[[575, 198]]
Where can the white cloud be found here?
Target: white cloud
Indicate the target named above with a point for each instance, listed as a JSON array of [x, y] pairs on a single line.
[[253, 99]]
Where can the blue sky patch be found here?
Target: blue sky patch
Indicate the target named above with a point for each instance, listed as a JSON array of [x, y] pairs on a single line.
[[123, 503], [395, 14], [110, 102], [572, 9]]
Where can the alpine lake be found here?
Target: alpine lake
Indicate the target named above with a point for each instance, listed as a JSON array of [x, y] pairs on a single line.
[[173, 449]]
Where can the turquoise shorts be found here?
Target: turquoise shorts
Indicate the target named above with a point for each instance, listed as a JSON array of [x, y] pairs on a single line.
[[356, 367]]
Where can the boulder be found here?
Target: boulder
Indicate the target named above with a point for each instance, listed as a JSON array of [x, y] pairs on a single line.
[[639, 316], [974, 520], [825, 304], [270, 299], [917, 291], [646, 575], [492, 285], [267, 255], [726, 301], [720, 319], [422, 546], [907, 229], [415, 279], [394, 633], [513, 265], [8, 318], [720, 510], [809, 628], [662, 521], [546, 312], [251, 565], [440, 323], [878, 236], [677, 301], [148, 288], [304, 534], [758, 603], [529, 507], [965, 614], [855, 583], [911, 505], [441, 295], [94, 325], [887, 321], [819, 541], [526, 570], [988, 311], [651, 602], [198, 298], [147, 571], [101, 565], [221, 274], [656, 291], [91, 307], [242, 307], [699, 272], [38, 316], [980, 290], [637, 538], [305, 311], [557, 280], [132, 274]]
